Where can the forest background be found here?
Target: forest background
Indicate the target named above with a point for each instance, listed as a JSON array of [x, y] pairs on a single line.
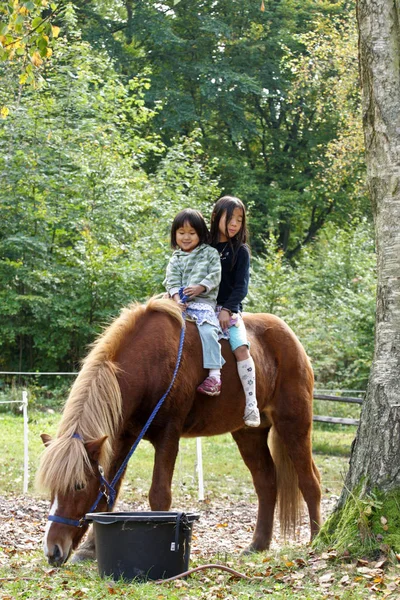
[[134, 110]]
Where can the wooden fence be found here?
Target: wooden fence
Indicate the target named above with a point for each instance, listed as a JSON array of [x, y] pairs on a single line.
[[336, 420]]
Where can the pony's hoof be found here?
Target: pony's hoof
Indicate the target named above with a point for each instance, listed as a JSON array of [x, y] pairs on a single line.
[[249, 550], [82, 555]]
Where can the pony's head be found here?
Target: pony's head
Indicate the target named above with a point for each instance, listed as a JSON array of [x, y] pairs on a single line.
[[70, 471]]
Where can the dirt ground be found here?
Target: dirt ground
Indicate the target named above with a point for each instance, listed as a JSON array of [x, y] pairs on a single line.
[[224, 527]]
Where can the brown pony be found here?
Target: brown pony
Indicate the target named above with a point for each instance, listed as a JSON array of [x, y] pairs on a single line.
[[126, 373]]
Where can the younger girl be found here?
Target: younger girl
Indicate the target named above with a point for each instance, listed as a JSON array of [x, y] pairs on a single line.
[[195, 270], [228, 236]]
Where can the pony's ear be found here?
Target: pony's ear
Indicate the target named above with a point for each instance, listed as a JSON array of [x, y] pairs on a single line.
[[46, 439], [94, 448]]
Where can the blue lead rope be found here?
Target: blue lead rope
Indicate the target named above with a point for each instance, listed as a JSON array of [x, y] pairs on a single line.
[[108, 489], [182, 297]]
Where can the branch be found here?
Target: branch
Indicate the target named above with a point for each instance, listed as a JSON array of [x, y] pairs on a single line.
[[52, 14]]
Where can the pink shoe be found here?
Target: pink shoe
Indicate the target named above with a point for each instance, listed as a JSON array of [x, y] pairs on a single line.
[[210, 386]]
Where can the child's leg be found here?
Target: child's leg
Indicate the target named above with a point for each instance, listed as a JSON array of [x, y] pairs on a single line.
[[247, 373], [212, 359]]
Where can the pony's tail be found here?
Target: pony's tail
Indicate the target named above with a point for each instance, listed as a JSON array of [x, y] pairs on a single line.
[[289, 497]]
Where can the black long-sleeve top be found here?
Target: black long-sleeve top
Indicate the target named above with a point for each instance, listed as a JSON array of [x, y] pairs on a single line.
[[234, 280]]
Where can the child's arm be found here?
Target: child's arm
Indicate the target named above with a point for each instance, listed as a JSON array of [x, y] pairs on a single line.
[[173, 279], [232, 303], [241, 283]]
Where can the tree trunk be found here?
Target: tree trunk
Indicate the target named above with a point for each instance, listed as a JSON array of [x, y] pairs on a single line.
[[375, 459]]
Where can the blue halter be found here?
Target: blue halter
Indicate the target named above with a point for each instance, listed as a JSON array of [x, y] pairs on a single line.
[[108, 489]]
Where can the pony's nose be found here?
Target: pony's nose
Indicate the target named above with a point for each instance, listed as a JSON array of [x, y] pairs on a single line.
[[56, 559]]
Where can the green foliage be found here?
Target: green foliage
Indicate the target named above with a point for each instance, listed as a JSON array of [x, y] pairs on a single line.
[[84, 229], [27, 33], [327, 297]]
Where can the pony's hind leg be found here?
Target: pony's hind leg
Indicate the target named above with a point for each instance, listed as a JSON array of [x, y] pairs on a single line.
[[297, 443], [253, 447]]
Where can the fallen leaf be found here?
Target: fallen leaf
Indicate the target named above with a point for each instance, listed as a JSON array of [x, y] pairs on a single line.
[[289, 563], [326, 577], [362, 562]]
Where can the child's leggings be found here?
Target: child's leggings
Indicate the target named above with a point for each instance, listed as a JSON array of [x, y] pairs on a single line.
[[212, 357]]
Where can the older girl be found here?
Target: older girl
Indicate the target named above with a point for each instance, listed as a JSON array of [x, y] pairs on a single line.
[[229, 237]]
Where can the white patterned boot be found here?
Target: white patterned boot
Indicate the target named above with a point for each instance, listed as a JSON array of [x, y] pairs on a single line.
[[247, 374]]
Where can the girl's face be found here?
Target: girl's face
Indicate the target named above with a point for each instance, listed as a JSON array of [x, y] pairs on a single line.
[[187, 238], [232, 227]]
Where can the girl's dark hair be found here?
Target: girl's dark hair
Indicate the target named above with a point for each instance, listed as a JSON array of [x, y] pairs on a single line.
[[195, 220], [228, 204]]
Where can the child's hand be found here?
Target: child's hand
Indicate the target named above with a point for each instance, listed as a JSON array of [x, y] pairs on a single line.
[[224, 318], [181, 305], [194, 290]]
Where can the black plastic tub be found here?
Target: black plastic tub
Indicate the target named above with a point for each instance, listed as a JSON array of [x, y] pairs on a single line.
[[142, 545]]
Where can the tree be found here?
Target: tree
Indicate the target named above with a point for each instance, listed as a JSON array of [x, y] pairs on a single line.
[[371, 496], [274, 94], [84, 228]]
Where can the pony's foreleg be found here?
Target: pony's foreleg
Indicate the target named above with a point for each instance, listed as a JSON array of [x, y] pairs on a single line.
[[87, 550], [253, 447], [166, 450]]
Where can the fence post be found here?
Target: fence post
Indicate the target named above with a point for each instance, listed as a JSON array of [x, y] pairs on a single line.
[[26, 456], [200, 468]]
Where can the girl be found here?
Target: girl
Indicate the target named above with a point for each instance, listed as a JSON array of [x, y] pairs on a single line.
[[228, 236], [192, 280]]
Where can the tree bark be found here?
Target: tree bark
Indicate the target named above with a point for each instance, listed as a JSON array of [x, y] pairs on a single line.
[[375, 458]]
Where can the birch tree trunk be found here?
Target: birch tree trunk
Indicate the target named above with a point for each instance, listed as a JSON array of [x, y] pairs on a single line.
[[375, 459]]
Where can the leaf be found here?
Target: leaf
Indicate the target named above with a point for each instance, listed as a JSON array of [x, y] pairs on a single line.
[[327, 577], [36, 59], [55, 31], [36, 22]]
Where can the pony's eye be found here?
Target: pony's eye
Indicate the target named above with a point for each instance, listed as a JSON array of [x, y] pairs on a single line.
[[79, 487]]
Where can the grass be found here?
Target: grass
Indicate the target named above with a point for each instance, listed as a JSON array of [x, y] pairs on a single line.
[[224, 470], [290, 573], [284, 578]]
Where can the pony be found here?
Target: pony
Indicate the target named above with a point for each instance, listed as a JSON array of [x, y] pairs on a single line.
[[127, 371]]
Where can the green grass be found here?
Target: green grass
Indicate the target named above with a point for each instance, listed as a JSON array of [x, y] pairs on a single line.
[[292, 573], [285, 577]]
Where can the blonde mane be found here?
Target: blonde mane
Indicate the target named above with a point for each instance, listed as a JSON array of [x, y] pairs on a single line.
[[94, 406]]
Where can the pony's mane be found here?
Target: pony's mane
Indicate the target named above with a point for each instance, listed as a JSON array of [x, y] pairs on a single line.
[[94, 406]]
